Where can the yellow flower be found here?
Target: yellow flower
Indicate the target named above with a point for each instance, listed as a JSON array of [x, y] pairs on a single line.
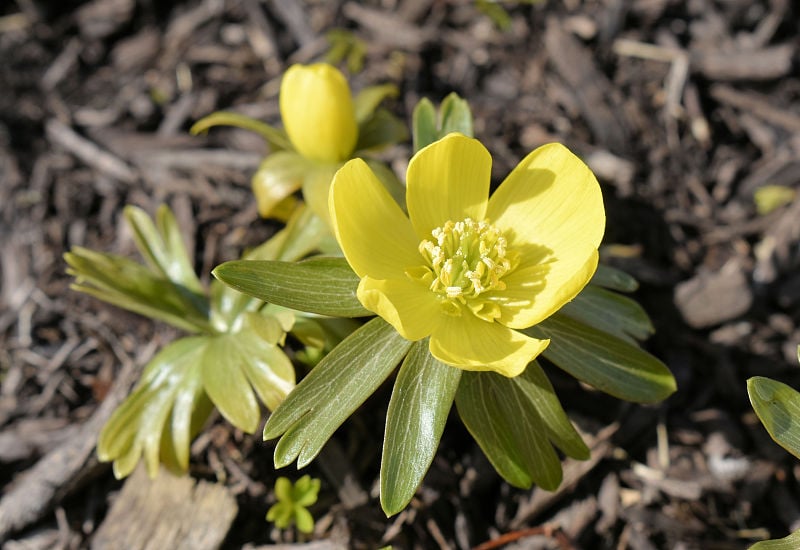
[[318, 112], [463, 268]]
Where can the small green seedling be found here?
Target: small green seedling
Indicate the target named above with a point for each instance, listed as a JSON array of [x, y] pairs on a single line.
[[293, 501]]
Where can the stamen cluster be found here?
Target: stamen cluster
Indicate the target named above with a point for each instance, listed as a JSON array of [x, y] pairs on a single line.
[[464, 259]]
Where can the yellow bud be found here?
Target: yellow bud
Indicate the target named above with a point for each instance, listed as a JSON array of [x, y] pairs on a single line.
[[318, 113]]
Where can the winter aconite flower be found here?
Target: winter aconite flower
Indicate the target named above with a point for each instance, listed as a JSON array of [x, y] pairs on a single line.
[[463, 268]]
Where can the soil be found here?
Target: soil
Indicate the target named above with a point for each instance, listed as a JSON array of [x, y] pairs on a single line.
[[683, 110]]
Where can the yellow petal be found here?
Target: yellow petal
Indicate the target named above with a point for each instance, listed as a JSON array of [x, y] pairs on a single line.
[[278, 176], [534, 293], [448, 180], [318, 113], [550, 209], [376, 237], [316, 189], [409, 307], [470, 343], [551, 199]]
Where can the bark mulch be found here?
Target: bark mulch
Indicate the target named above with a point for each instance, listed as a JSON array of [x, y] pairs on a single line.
[[683, 109]]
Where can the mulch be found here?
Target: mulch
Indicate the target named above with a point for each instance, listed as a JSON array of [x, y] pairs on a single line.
[[683, 110]]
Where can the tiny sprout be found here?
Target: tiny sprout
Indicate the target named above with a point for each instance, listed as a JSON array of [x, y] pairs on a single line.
[[293, 501]]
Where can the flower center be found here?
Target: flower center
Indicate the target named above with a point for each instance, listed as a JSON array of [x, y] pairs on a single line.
[[464, 260]]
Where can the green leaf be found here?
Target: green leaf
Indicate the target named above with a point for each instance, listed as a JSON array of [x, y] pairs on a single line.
[[778, 407], [336, 387], [421, 400], [791, 542], [277, 139], [170, 384], [456, 116], [162, 248], [278, 176], [610, 312], [326, 286], [368, 99], [130, 285], [233, 365], [601, 360], [303, 233], [424, 128], [380, 130], [613, 279], [503, 419], [534, 382]]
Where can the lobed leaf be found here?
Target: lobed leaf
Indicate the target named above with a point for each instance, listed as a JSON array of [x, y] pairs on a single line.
[[323, 285], [336, 387], [603, 361], [421, 400], [423, 123], [381, 129]]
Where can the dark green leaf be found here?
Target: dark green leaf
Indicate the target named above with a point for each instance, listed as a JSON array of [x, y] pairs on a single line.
[[535, 384], [333, 390], [614, 279], [778, 407], [610, 312], [421, 400], [609, 364], [326, 286], [503, 419], [276, 138]]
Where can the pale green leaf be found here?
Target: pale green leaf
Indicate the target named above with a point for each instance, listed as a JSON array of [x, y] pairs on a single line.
[[276, 138], [421, 400], [455, 116], [778, 407], [772, 197], [162, 246], [304, 520], [791, 542], [333, 391], [135, 428], [610, 312], [326, 286], [368, 99], [223, 367], [424, 128], [609, 364], [504, 421]]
